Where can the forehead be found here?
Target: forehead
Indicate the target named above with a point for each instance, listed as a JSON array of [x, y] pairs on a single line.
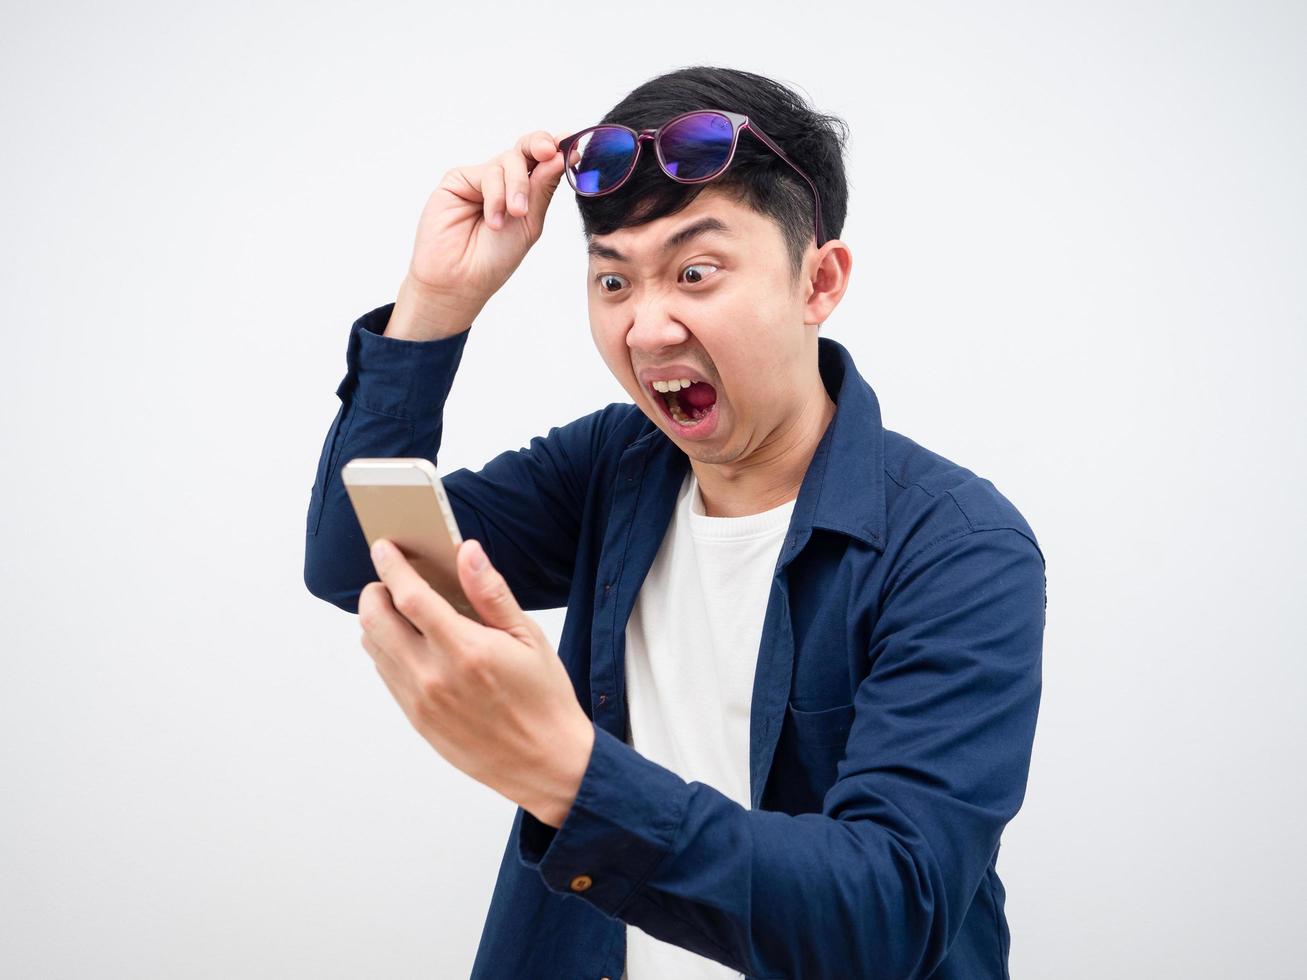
[[710, 216]]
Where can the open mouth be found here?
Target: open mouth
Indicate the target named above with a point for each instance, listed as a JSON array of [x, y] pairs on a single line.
[[688, 407]]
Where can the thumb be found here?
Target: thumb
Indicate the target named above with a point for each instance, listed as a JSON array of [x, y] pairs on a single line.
[[543, 182], [489, 594]]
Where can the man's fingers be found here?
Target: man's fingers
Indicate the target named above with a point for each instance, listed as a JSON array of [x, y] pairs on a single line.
[[517, 185], [489, 593], [492, 193], [545, 179], [537, 146], [575, 155], [477, 182], [373, 648], [544, 167], [415, 600], [386, 633]]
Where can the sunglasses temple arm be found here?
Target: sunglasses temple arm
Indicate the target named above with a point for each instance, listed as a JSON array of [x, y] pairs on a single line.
[[816, 196]]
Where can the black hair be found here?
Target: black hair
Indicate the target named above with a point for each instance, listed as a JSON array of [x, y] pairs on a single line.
[[757, 177]]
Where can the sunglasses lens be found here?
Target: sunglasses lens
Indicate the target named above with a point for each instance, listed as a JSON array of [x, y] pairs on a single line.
[[697, 146], [599, 159]]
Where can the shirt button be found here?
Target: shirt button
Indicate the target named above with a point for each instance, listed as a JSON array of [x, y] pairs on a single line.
[[581, 882]]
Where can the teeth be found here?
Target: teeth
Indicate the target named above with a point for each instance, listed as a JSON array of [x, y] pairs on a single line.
[[675, 384]]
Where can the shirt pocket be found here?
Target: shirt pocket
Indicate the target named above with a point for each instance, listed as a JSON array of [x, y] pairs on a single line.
[[828, 727], [809, 755]]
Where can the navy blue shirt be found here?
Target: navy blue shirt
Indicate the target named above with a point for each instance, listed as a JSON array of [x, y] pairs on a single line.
[[894, 701]]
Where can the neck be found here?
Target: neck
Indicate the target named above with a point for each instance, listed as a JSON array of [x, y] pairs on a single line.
[[773, 473]]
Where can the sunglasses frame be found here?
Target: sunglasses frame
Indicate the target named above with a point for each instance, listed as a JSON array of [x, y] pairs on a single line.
[[739, 122]]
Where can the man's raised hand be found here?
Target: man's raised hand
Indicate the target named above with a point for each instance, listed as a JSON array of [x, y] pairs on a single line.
[[477, 226]]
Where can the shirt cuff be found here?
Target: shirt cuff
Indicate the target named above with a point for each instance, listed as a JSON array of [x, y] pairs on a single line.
[[623, 822], [406, 379]]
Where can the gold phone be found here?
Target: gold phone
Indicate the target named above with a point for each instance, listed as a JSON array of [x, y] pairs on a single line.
[[402, 500]]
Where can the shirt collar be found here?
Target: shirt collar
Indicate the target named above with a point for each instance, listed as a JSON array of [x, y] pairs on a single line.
[[844, 487], [845, 482]]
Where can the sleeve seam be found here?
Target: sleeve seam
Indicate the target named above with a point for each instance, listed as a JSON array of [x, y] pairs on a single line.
[[953, 536], [362, 403]]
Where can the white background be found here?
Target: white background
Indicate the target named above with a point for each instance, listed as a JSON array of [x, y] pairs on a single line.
[[1079, 255]]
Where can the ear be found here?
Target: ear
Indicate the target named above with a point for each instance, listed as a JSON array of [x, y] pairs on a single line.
[[826, 275]]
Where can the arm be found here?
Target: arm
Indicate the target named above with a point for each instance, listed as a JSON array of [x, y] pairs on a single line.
[[475, 229], [524, 506], [935, 766]]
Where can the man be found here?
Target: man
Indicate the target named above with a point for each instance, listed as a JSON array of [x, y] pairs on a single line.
[[793, 702]]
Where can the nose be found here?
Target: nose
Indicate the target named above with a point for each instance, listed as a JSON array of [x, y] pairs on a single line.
[[655, 328]]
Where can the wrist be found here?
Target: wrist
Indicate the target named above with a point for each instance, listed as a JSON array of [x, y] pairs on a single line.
[[570, 759], [421, 314]]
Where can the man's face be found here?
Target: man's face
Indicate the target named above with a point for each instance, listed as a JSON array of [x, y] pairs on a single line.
[[717, 308]]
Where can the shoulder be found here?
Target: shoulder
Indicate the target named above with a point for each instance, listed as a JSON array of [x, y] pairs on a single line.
[[594, 443], [606, 430], [615, 426], [930, 499]]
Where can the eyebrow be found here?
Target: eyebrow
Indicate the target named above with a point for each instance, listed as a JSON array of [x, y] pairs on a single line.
[[703, 226]]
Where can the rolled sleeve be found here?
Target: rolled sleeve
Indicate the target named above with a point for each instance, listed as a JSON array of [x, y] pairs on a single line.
[[408, 379], [624, 821], [392, 402]]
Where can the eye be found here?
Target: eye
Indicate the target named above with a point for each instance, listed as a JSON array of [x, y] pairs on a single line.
[[698, 265], [604, 279]]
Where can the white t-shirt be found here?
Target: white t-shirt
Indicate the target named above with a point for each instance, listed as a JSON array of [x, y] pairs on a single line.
[[691, 649]]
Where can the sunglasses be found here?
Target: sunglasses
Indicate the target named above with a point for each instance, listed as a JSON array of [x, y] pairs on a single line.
[[691, 148]]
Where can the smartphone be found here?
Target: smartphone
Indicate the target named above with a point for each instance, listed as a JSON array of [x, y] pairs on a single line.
[[401, 499]]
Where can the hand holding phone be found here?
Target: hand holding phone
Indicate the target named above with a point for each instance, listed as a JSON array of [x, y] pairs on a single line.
[[401, 499]]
